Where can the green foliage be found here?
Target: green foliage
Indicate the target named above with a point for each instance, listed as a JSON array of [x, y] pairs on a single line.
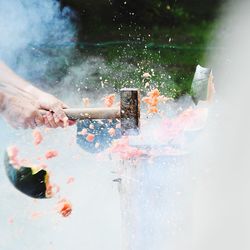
[[175, 33], [171, 62]]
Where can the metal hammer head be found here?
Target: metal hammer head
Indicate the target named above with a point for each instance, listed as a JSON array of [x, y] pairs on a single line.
[[130, 111], [200, 84]]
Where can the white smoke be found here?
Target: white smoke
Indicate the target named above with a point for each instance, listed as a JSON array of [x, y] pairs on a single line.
[[221, 205], [26, 26]]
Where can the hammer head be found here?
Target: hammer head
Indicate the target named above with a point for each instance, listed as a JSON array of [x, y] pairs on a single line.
[[200, 84], [130, 111]]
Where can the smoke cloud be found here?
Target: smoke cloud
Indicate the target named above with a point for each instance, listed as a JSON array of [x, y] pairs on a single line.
[[221, 204], [27, 29]]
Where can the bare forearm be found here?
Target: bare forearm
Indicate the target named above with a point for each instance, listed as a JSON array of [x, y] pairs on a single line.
[[19, 98], [10, 81]]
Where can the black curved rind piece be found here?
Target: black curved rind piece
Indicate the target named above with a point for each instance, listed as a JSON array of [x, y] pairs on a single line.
[[23, 179]]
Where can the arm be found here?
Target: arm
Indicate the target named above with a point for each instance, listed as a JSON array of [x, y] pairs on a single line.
[[11, 82], [19, 95], [8, 77]]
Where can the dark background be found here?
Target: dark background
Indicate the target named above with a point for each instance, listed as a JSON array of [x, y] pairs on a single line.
[[106, 15]]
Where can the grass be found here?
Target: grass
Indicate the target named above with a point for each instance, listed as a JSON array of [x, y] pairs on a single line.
[[170, 56]]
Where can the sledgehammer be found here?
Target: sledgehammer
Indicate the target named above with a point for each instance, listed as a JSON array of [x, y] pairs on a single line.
[[128, 112]]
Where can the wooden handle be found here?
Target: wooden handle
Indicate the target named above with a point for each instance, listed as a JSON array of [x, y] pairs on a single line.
[[90, 113]]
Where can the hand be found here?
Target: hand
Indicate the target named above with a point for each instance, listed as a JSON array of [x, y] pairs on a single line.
[[26, 101], [55, 117], [21, 112]]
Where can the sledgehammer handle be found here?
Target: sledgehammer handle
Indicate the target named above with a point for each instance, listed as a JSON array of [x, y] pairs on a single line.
[[90, 113]]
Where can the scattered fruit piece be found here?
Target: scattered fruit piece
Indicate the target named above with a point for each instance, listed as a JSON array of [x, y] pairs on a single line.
[[147, 100], [109, 100], [154, 93], [90, 137], [64, 207], [122, 148], [38, 138], [153, 110], [152, 100], [51, 154]]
